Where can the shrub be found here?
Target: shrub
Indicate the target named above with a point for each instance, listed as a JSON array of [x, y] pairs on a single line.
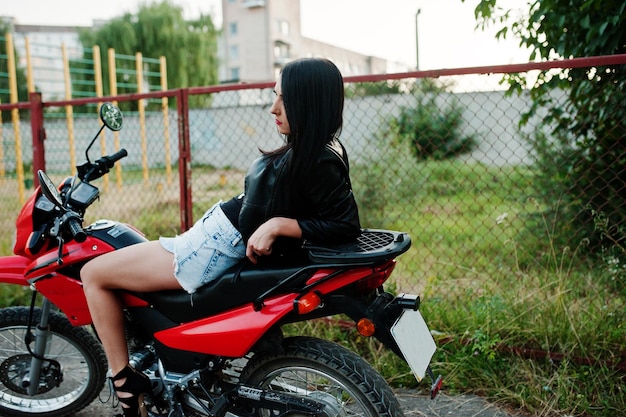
[[432, 132]]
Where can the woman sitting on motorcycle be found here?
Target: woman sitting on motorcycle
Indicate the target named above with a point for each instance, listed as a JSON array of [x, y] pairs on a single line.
[[300, 191]]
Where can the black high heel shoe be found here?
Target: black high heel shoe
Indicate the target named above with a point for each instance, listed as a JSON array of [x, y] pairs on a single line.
[[135, 384]]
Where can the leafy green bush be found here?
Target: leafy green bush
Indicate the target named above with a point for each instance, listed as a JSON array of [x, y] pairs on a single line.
[[433, 132]]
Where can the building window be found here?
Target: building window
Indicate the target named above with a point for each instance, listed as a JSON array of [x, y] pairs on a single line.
[[283, 27], [233, 52], [232, 28], [234, 74], [281, 50]]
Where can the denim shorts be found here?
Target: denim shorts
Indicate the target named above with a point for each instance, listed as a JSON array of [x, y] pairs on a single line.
[[206, 250]]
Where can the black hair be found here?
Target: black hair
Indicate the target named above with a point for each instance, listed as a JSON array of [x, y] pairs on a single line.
[[313, 95]]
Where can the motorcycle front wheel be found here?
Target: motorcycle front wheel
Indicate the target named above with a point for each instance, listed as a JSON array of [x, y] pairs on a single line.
[[326, 372], [71, 378]]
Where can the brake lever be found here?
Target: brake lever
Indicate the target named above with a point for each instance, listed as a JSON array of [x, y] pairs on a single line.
[[60, 253], [54, 232], [84, 169]]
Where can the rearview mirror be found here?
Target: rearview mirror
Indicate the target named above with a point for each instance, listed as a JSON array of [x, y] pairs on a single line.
[[111, 116]]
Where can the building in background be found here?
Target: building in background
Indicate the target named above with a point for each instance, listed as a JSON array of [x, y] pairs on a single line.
[[260, 36]]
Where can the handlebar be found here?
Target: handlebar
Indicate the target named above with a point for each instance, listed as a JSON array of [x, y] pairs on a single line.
[[110, 160], [87, 172], [76, 230], [91, 171]]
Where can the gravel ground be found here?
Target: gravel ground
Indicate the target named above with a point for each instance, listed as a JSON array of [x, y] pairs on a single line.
[[412, 403], [415, 405]]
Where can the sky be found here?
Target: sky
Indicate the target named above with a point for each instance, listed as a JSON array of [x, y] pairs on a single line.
[[382, 28]]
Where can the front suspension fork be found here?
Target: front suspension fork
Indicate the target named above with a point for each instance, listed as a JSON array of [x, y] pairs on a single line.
[[42, 332]]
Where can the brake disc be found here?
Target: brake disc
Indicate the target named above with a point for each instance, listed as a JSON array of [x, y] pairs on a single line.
[[14, 370]]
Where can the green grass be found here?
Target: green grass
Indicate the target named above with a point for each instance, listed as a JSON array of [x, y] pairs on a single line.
[[490, 284], [497, 290]]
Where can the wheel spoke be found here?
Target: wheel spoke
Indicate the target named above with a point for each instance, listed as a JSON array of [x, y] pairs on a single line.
[[316, 385], [325, 372], [72, 373]]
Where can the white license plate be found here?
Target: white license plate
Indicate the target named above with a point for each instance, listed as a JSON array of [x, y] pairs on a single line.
[[415, 341]]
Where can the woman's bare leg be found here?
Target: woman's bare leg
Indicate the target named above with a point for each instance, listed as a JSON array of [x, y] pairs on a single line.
[[141, 267]]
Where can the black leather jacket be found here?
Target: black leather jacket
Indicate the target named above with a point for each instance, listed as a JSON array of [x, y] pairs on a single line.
[[323, 204]]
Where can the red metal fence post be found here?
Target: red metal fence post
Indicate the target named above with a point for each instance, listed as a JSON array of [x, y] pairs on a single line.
[[39, 134], [184, 159]]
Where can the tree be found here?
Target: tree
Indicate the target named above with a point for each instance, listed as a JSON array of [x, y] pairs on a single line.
[[581, 144], [159, 29]]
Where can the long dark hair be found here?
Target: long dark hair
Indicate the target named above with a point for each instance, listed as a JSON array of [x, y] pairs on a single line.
[[313, 94]]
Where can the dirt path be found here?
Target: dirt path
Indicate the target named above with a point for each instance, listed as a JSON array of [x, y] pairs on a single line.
[[416, 405]]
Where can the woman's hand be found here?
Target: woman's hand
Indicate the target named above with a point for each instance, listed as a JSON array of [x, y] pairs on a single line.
[[262, 240]]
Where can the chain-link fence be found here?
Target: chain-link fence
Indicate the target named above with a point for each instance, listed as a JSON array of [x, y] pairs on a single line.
[[442, 156], [499, 192]]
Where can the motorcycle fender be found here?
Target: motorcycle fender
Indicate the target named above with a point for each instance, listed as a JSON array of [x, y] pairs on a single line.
[[12, 269], [232, 333], [67, 294]]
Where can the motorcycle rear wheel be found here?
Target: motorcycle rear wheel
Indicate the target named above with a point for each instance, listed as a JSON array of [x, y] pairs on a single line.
[[79, 353], [327, 372]]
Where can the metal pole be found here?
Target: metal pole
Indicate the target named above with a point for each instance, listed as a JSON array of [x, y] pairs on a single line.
[[184, 160], [142, 118], [15, 115], [69, 109], [417, 42], [38, 134], [166, 119]]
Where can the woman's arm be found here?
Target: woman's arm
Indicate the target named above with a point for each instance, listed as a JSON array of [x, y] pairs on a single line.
[[262, 240]]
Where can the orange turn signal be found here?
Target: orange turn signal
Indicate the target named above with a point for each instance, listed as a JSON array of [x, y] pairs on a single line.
[[366, 327], [307, 303]]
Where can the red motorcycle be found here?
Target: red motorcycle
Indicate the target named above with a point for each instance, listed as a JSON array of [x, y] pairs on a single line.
[[220, 351]]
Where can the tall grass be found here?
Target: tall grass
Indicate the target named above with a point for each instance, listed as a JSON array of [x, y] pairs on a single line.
[[519, 319]]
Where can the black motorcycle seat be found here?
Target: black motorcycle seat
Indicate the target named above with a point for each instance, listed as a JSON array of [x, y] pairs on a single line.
[[245, 283], [240, 285]]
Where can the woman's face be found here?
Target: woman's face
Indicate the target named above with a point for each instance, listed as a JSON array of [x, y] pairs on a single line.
[[278, 110]]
